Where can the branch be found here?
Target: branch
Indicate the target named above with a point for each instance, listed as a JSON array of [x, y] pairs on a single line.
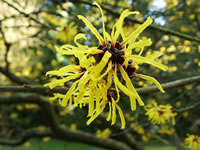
[[25, 15], [169, 85], [25, 136], [7, 45], [125, 135], [153, 26], [13, 77], [57, 130], [46, 91], [188, 107]]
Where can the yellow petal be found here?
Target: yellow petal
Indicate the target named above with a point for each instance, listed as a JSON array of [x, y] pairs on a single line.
[[65, 70], [120, 85], [56, 96], [113, 112], [154, 55], [91, 104], [86, 62], [78, 52], [107, 36], [93, 50], [65, 49], [61, 81], [92, 28], [80, 36], [70, 104], [107, 70], [124, 14], [141, 51], [109, 80], [173, 121], [152, 80], [109, 114], [100, 66], [96, 114], [79, 97], [122, 34], [83, 81], [131, 88], [123, 123], [69, 94], [98, 98], [113, 31], [132, 37], [102, 16], [140, 59], [116, 83], [139, 44]]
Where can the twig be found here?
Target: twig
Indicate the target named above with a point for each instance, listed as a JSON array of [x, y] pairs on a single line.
[[170, 85], [13, 77], [153, 26], [25, 136], [23, 26], [188, 107], [25, 14], [141, 91], [7, 45], [57, 130], [126, 135]]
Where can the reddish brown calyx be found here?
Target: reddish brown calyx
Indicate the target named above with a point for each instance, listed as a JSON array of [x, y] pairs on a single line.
[[117, 56]]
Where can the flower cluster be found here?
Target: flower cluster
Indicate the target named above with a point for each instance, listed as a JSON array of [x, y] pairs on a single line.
[[166, 130], [192, 142], [106, 133], [160, 114], [111, 64]]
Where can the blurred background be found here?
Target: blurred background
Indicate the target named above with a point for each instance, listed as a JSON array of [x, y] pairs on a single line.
[[29, 32]]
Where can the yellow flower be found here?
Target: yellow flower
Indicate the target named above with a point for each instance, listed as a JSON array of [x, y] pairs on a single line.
[[147, 137], [129, 117], [166, 130], [42, 128], [27, 144], [104, 134], [13, 115], [137, 128], [99, 67], [46, 139], [73, 126], [185, 114], [192, 142], [66, 33], [160, 114], [19, 107], [171, 3], [31, 106]]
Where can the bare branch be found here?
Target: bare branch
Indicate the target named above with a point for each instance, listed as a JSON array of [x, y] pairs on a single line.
[[25, 15], [128, 138], [153, 26], [47, 91], [7, 45], [25, 136], [57, 130], [13, 77], [188, 107], [170, 85]]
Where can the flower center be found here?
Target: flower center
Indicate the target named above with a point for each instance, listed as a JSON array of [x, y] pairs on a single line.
[[160, 113], [115, 51], [117, 56]]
